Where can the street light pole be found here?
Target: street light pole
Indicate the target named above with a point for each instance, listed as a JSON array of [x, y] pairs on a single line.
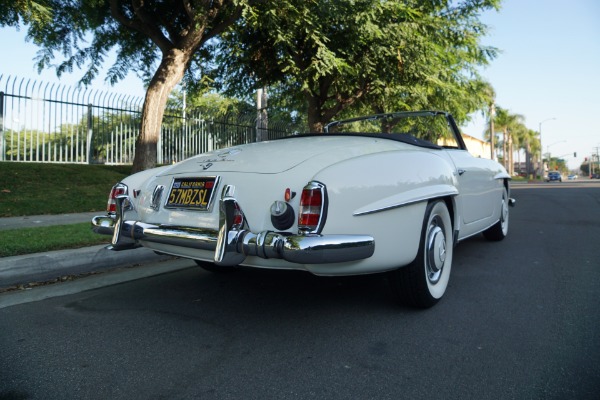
[[541, 166]]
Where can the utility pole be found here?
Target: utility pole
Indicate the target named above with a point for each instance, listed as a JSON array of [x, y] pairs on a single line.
[[261, 114], [542, 148]]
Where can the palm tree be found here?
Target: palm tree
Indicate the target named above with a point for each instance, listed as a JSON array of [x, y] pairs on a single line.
[[518, 134], [490, 95], [530, 143], [492, 139], [507, 122]]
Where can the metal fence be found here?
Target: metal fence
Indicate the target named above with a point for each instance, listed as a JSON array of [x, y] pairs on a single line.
[[44, 122]]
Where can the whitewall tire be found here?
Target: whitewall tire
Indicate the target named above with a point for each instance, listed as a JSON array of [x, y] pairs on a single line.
[[499, 230], [423, 282]]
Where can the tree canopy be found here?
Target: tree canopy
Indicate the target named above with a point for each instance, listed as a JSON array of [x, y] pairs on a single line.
[[17, 12], [333, 56], [322, 58]]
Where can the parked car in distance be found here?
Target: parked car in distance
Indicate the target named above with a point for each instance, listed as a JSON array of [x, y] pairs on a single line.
[[572, 177], [554, 176], [344, 202]]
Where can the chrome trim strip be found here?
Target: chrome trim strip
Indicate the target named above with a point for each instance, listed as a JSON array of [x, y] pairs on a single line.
[[376, 210], [419, 199]]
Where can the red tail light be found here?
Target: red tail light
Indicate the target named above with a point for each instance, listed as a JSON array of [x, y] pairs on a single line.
[[312, 208], [117, 190]]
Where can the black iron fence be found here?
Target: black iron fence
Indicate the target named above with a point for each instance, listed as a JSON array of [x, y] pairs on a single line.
[[44, 122]]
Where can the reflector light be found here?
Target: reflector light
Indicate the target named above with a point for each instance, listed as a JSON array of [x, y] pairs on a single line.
[[287, 195]]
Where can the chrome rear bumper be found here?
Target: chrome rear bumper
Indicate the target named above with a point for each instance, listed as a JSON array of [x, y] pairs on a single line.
[[232, 245]]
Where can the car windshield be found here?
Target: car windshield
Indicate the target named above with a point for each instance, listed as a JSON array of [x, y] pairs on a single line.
[[431, 126]]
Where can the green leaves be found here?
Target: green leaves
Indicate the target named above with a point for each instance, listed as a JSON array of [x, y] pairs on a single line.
[[15, 12], [348, 57], [327, 58]]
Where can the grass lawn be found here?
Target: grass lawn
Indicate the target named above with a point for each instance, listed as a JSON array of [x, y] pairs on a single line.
[[40, 188], [15, 242]]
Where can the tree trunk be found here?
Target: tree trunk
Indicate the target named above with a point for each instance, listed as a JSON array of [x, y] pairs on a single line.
[[504, 157], [511, 153], [492, 137], [528, 159], [519, 159], [315, 123], [168, 75]]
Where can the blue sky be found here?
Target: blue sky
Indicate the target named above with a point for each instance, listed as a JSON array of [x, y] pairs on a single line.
[[549, 67]]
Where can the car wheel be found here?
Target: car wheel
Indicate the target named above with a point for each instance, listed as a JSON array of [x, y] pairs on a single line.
[[215, 269], [423, 282], [499, 230]]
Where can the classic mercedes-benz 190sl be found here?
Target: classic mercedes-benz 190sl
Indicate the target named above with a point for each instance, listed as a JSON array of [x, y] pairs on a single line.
[[343, 202]]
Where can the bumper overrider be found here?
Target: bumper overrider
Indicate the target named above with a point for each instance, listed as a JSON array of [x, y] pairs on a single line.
[[231, 244]]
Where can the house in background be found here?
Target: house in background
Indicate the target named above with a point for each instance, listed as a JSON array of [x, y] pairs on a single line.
[[477, 147]]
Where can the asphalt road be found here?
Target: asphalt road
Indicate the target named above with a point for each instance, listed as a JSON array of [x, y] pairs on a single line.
[[520, 320]]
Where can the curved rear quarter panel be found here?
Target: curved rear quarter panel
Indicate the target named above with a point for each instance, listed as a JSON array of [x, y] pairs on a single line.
[[385, 195]]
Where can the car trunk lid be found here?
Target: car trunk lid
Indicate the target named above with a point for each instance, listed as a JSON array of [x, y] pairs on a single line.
[[277, 156]]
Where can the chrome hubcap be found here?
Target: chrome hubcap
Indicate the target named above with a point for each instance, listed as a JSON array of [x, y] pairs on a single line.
[[436, 252], [504, 216]]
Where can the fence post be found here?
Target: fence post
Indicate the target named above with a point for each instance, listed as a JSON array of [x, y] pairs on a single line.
[[89, 134], [2, 142]]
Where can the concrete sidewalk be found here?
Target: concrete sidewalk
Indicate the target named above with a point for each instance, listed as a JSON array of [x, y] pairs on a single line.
[[38, 267], [33, 221]]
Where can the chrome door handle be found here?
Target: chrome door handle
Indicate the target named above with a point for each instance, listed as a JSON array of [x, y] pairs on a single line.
[[461, 171]]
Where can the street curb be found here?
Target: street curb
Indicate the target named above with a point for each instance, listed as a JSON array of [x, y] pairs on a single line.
[[108, 278], [54, 264]]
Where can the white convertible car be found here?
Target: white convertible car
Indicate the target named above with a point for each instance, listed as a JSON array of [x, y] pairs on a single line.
[[344, 202]]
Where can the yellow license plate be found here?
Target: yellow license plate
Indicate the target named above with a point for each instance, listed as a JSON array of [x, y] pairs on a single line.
[[195, 193]]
